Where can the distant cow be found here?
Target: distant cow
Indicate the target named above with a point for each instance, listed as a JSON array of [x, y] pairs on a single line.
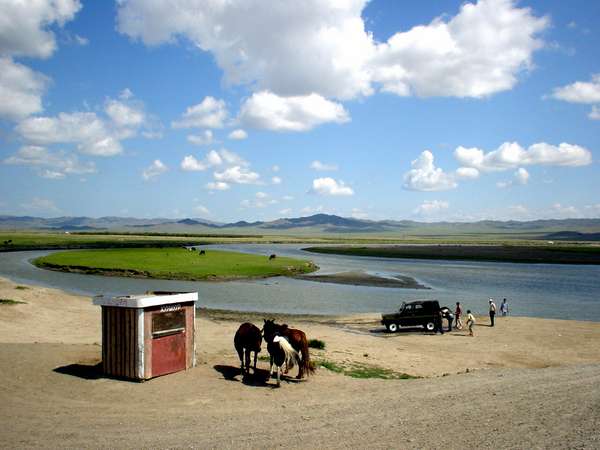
[[202, 252], [273, 256]]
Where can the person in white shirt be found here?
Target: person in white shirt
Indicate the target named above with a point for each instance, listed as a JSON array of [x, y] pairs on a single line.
[[470, 322], [492, 311]]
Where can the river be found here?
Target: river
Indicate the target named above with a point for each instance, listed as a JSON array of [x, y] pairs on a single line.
[[535, 290]]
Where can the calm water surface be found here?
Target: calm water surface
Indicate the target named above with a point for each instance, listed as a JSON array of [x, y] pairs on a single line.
[[538, 290]]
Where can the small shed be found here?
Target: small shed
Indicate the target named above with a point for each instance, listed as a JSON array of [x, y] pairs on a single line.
[[145, 336]]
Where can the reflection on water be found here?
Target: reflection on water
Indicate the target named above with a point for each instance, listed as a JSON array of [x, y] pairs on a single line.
[[540, 290]]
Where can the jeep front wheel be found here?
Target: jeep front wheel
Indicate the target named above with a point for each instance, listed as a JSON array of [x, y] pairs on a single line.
[[392, 327], [430, 326]]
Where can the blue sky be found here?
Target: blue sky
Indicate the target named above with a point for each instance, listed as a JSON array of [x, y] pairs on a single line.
[[257, 110]]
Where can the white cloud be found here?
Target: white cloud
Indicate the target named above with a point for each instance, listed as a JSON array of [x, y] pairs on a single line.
[[206, 138], [233, 158], [359, 214], [594, 113], [217, 186], [154, 170], [276, 180], [210, 113], [212, 159], [329, 186], [25, 25], [320, 47], [580, 91], [85, 129], [275, 168], [202, 210], [238, 134], [424, 176], [313, 210], [238, 175], [476, 53], [323, 167], [467, 173], [323, 47], [521, 176], [261, 195], [127, 117], [511, 155], [300, 113], [285, 211], [21, 90], [43, 205], [287, 198], [53, 165], [431, 207]]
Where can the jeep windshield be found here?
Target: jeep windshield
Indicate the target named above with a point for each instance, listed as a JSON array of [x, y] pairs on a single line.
[[402, 306]]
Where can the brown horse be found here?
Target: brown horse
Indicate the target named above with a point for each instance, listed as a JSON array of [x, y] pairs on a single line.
[[247, 339], [296, 338]]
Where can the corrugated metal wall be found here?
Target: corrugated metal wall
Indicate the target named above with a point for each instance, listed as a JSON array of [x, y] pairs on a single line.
[[119, 341]]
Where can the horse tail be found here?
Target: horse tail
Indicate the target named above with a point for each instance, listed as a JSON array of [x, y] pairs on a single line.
[[306, 364], [291, 355]]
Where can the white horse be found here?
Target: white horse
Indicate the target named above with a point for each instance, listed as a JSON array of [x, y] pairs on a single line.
[[281, 353]]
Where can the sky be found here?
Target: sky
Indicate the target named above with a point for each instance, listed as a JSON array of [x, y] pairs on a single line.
[[252, 110]]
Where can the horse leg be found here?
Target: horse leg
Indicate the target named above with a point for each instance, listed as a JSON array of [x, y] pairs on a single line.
[[278, 382], [240, 352], [247, 361], [271, 367], [255, 357]]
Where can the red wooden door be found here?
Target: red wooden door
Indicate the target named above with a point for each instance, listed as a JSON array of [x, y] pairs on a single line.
[[168, 354]]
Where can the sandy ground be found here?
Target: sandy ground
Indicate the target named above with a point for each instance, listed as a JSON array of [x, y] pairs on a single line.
[[530, 383]]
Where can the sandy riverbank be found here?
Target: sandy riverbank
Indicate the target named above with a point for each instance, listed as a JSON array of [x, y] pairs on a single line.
[[530, 383], [359, 278]]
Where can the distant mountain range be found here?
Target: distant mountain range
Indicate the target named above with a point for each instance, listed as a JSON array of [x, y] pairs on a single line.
[[318, 224]]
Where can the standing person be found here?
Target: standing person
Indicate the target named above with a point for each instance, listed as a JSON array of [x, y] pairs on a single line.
[[438, 322], [457, 313], [492, 311], [504, 308], [470, 322]]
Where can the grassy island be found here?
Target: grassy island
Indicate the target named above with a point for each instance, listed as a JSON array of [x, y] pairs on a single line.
[[546, 254], [174, 264]]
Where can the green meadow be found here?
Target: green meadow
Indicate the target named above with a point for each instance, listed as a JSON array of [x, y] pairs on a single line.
[[174, 264]]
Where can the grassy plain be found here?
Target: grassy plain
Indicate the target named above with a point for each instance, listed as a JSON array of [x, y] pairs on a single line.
[[524, 253], [173, 264]]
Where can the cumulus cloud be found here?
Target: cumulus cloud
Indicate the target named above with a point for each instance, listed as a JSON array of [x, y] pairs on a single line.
[[202, 210], [21, 90], [206, 138], [594, 113], [467, 173], [210, 113], [431, 207], [511, 155], [329, 186], [476, 53], [357, 213], [25, 25], [238, 135], [300, 113], [424, 176], [212, 159], [520, 177], [238, 175], [217, 186], [155, 169], [85, 129], [580, 91], [323, 167], [53, 165], [323, 48], [285, 211], [276, 180]]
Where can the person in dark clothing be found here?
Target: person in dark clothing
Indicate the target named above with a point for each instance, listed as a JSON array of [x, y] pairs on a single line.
[[438, 322]]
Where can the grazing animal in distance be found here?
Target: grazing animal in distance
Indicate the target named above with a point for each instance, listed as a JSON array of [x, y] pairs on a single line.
[[273, 256], [202, 252], [297, 339], [281, 353], [247, 339]]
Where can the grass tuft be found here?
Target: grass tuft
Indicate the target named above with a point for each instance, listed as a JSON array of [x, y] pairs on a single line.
[[7, 301], [316, 343], [364, 371], [21, 288]]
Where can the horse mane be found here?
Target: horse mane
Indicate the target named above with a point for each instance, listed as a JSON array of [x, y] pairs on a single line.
[[291, 355]]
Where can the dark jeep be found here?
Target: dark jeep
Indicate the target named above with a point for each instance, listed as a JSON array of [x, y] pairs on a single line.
[[420, 313]]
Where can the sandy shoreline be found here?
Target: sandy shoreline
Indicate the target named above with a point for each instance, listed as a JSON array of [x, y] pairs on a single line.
[[529, 383]]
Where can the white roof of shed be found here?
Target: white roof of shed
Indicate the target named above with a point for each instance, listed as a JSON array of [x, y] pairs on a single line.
[[145, 300]]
